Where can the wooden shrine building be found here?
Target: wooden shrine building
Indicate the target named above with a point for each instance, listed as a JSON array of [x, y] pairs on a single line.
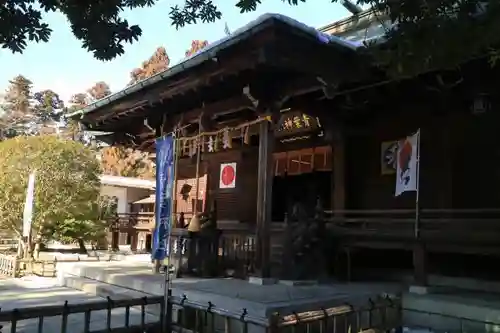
[[308, 127]]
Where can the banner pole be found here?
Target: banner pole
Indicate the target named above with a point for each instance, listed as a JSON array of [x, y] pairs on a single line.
[[166, 262], [417, 193]]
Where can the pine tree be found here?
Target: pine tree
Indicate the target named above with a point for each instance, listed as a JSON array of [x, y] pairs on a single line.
[[17, 107], [18, 97]]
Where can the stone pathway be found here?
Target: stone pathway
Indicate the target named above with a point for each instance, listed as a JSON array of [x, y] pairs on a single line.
[[36, 292]]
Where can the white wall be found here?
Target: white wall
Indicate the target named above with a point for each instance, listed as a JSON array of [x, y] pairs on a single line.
[[120, 193], [125, 195], [134, 194]]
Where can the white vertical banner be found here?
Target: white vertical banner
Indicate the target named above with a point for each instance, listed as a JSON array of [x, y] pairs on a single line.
[[28, 205], [407, 164]]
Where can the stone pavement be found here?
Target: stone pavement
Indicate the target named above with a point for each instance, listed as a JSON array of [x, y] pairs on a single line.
[[231, 294], [36, 292]]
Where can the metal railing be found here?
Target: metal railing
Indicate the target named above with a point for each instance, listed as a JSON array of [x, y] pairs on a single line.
[[132, 220], [207, 318], [133, 317], [144, 315], [48, 268]]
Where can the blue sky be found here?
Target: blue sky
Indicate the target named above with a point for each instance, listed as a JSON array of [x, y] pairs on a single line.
[[63, 66]]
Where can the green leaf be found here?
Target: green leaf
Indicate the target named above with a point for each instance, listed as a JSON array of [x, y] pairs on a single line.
[[67, 201]]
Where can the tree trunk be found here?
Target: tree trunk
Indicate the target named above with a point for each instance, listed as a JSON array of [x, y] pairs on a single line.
[[36, 253], [20, 247], [28, 249], [81, 244], [38, 242]]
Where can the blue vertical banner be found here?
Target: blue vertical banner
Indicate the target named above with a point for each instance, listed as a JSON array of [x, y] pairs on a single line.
[[163, 206]]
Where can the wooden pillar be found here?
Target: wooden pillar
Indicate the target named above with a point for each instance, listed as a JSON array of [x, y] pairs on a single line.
[[264, 197], [115, 240], [349, 264], [420, 263], [445, 177], [338, 177], [134, 240]]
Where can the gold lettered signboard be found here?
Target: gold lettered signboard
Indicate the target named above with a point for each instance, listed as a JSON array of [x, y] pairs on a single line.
[[388, 155], [295, 122]]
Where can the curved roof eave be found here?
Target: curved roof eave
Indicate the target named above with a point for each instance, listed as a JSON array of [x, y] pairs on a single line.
[[210, 52]]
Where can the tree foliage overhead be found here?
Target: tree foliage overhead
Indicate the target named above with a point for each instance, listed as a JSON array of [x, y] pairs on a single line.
[[157, 63], [427, 34], [67, 186], [196, 45], [97, 24], [434, 34]]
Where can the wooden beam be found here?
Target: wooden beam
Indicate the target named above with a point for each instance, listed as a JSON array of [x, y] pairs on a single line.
[[237, 103], [301, 86], [240, 102], [230, 105]]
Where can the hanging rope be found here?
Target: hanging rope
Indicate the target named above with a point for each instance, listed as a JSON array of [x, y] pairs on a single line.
[[194, 224], [217, 132]]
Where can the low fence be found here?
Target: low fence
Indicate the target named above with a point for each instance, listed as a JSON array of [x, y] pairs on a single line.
[[144, 315], [8, 243], [57, 318], [10, 266], [230, 253]]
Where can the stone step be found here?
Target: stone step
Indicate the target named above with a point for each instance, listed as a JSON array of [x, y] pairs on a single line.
[[101, 289], [104, 290]]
